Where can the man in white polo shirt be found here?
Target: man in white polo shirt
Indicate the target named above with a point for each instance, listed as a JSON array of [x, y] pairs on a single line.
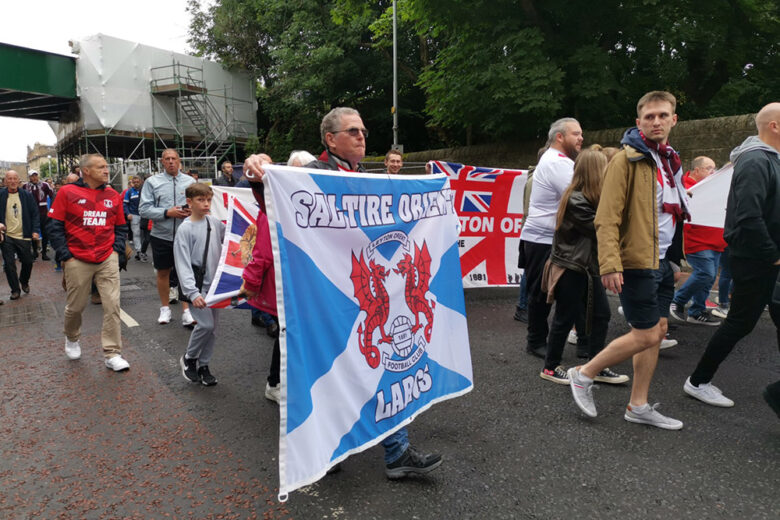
[[552, 176]]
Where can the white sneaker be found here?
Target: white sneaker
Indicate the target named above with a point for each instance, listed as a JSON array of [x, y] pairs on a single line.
[[186, 318], [720, 312], [117, 363], [173, 295], [707, 393], [165, 315], [647, 414], [273, 393], [72, 349], [668, 343], [572, 337]]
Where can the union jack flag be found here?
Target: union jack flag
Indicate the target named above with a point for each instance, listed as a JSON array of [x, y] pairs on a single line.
[[240, 232], [489, 202]]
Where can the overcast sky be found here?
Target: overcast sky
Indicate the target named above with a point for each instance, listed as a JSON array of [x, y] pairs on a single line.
[[49, 24]]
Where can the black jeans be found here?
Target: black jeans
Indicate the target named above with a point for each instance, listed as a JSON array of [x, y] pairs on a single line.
[[273, 371], [22, 249], [754, 282], [44, 233], [146, 235], [571, 299], [538, 309]]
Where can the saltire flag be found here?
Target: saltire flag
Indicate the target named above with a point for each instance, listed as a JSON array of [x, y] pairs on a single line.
[[371, 310], [709, 196], [240, 233], [489, 202]]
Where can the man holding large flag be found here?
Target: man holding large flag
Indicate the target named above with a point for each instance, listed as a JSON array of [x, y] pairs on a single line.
[[344, 136]]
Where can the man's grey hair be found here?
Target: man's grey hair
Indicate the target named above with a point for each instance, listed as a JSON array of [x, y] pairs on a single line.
[[87, 158], [559, 127], [332, 121], [303, 157], [698, 162]]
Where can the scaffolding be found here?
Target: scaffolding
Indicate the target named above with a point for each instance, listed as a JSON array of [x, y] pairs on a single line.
[[200, 128], [136, 100]]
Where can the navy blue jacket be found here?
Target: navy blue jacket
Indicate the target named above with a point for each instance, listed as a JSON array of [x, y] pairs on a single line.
[[31, 220]]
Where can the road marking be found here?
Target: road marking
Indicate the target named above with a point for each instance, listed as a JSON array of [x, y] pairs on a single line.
[[127, 319]]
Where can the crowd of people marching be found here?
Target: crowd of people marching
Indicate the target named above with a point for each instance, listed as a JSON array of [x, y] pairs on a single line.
[[597, 220]]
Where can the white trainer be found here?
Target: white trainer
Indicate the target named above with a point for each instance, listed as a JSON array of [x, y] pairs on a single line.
[[668, 343], [72, 349], [273, 393], [707, 393], [650, 415], [117, 363], [173, 295], [572, 337], [186, 319], [165, 315]]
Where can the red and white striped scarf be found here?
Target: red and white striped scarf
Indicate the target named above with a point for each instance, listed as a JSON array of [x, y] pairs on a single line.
[[670, 160]]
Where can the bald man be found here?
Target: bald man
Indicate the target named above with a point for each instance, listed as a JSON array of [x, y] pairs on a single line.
[[753, 233], [19, 215]]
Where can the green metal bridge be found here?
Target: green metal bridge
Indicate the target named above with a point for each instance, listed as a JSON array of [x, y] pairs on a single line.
[[37, 85]]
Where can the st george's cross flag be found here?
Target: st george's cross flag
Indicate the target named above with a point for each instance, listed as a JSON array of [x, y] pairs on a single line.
[[489, 203], [240, 232], [708, 198], [371, 310]]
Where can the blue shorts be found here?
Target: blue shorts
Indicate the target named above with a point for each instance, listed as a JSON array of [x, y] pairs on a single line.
[[647, 294]]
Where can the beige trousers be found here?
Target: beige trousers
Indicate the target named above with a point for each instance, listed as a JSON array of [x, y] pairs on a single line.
[[78, 279]]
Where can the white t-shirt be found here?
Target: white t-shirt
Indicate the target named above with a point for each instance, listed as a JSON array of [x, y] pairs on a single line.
[[552, 176], [665, 220]]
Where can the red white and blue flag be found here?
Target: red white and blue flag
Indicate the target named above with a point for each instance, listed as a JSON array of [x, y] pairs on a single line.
[[240, 232], [489, 202]]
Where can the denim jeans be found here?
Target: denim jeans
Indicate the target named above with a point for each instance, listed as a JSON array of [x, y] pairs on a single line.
[[699, 283], [724, 282], [395, 445], [522, 298]]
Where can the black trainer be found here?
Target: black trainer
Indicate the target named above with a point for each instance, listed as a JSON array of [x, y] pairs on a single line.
[[521, 315], [703, 319], [189, 369], [412, 462], [677, 311], [206, 379], [539, 351]]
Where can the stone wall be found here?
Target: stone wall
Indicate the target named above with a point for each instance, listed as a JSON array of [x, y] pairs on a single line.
[[714, 138]]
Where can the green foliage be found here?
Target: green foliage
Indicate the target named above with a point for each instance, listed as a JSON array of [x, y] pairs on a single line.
[[489, 70], [48, 169]]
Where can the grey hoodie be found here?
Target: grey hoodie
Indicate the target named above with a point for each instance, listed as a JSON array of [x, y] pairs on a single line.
[[752, 227]]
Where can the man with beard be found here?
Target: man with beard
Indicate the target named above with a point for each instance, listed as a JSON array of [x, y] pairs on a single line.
[[552, 176]]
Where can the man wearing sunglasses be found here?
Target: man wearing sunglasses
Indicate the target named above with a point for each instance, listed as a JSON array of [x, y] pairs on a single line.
[[344, 136]]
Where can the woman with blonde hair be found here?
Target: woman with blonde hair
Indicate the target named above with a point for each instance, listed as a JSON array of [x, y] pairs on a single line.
[[571, 276]]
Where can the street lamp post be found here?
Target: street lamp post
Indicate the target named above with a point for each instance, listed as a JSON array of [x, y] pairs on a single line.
[[395, 79]]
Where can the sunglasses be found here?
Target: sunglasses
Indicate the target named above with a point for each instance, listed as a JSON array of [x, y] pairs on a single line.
[[354, 131]]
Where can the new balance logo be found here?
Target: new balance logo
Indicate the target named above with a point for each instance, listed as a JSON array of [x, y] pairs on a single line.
[[81, 201]]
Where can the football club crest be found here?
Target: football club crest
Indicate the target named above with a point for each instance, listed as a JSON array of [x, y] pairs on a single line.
[[410, 330]]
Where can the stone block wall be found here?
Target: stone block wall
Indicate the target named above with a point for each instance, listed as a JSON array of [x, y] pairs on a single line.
[[714, 138]]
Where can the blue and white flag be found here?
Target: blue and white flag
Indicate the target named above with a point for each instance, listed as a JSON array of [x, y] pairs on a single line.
[[371, 310]]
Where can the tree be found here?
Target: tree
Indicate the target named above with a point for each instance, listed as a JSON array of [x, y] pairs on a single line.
[[488, 70]]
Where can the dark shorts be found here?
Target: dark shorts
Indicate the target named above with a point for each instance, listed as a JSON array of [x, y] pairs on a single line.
[[162, 253], [647, 294]]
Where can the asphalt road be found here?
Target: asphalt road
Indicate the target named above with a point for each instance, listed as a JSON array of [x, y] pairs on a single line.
[[78, 441]]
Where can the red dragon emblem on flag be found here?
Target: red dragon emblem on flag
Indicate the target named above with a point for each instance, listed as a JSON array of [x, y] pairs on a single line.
[[368, 280]]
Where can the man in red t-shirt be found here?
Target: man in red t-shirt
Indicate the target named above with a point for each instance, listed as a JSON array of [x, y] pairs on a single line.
[[702, 246], [88, 231]]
